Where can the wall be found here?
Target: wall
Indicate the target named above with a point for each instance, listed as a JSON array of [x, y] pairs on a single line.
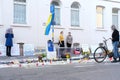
[[37, 15]]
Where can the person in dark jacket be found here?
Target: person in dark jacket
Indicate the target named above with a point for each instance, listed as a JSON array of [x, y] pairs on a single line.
[[115, 42], [9, 43], [69, 40]]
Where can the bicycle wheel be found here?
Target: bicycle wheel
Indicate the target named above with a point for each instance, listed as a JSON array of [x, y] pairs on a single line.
[[100, 54]]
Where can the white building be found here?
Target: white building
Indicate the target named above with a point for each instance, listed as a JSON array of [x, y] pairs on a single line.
[[87, 20]]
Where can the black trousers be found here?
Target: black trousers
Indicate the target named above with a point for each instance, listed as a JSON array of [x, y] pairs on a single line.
[[62, 44], [68, 45], [8, 50]]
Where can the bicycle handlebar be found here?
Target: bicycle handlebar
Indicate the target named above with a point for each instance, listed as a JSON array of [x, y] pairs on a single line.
[[106, 39]]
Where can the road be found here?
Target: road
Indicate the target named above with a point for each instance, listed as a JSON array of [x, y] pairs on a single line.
[[91, 71]]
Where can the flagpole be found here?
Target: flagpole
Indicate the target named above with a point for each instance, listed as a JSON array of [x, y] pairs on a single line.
[[53, 22], [52, 10], [53, 32]]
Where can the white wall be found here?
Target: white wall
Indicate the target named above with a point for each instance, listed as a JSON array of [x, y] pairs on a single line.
[[37, 15]]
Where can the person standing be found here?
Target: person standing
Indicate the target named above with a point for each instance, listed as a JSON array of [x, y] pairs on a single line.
[[115, 42], [69, 40], [61, 39], [9, 43], [62, 45]]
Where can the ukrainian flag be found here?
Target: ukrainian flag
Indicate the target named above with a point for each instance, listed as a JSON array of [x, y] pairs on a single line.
[[50, 20]]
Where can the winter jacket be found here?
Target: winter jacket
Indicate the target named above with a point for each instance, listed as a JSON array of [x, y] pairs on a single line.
[[9, 41], [115, 36]]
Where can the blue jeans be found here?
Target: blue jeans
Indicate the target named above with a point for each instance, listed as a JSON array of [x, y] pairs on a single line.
[[115, 49]]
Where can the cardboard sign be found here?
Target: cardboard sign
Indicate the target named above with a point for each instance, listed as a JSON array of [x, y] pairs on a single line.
[[2, 50], [51, 55], [15, 51], [85, 48], [28, 49], [40, 50]]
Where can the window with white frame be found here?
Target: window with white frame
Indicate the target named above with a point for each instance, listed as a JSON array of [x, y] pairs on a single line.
[[0, 14], [75, 20], [115, 17], [57, 12], [19, 12], [0, 17], [100, 16]]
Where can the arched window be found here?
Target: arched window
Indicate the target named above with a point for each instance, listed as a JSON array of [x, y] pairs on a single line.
[[100, 16], [75, 12], [57, 12], [115, 17]]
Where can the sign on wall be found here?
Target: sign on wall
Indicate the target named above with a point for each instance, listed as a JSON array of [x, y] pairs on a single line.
[[39, 50], [2, 50], [28, 49], [15, 51]]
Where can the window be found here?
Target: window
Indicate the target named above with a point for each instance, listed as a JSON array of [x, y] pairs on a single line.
[[100, 17], [20, 11], [115, 17], [57, 12], [20, 1], [75, 14], [0, 14]]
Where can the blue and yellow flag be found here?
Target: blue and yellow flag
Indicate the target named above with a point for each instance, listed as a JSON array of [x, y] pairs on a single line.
[[50, 20]]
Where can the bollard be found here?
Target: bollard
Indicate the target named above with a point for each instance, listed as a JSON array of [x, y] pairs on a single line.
[[21, 48]]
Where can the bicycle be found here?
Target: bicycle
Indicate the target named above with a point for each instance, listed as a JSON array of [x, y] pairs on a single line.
[[102, 51]]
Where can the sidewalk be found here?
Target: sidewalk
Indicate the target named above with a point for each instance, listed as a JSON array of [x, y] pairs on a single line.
[[21, 59], [32, 61]]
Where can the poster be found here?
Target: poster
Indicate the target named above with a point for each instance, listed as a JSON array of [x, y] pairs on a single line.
[[15, 51], [28, 49], [2, 50], [51, 55], [40, 50]]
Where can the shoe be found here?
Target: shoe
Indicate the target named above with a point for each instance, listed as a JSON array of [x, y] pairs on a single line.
[[114, 61], [9, 55], [119, 59]]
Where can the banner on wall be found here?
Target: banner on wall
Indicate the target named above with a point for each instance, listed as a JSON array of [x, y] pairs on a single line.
[[28, 49], [51, 54], [40, 50], [15, 51], [2, 50]]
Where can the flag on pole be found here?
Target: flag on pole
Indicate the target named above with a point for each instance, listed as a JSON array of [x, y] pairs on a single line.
[[50, 20]]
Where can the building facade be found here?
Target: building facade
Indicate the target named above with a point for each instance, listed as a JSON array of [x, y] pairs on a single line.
[[88, 20]]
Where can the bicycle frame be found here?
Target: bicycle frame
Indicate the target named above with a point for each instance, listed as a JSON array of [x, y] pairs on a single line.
[[105, 44]]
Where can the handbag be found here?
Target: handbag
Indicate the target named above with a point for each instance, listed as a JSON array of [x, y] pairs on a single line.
[[77, 51]]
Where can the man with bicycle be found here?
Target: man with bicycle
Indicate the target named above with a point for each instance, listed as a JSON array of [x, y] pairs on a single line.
[[115, 42]]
